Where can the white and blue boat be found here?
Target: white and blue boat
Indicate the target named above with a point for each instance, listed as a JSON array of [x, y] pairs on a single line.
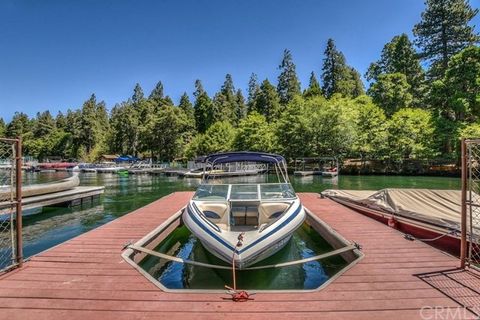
[[243, 224]]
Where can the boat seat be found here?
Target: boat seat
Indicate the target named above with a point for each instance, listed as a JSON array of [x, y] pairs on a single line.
[[215, 212], [251, 216], [245, 215], [269, 212]]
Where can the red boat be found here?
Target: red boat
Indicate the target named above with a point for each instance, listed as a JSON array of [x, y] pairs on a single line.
[[57, 165], [432, 216]]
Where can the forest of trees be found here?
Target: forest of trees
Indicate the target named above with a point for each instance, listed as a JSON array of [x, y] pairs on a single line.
[[423, 95]]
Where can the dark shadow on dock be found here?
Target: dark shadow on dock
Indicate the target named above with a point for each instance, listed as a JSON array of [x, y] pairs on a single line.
[[460, 285]]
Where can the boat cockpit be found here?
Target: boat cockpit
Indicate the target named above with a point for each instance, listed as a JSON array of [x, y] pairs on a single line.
[[243, 207]]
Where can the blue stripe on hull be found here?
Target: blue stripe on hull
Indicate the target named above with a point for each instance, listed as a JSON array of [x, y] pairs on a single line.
[[228, 245]]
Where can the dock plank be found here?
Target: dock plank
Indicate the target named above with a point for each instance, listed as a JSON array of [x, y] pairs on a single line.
[[86, 277]]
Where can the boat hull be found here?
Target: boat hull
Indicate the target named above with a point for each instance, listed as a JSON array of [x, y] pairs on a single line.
[[447, 243], [256, 247]]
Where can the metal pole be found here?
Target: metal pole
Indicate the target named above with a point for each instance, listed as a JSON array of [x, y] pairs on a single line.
[[18, 195], [463, 243]]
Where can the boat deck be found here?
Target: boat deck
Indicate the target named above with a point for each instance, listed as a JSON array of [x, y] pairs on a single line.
[[86, 278]]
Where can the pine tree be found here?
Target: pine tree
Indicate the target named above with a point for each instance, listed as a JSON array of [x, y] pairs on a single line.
[[44, 124], [444, 31], [137, 96], [357, 87], [19, 125], [253, 89], [225, 102], [60, 120], [241, 108], [313, 87], [187, 106], [157, 92], [267, 101], [399, 56], [288, 84], [203, 108], [337, 76]]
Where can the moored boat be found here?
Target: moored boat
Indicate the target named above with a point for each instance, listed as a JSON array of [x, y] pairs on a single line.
[[244, 223], [422, 214]]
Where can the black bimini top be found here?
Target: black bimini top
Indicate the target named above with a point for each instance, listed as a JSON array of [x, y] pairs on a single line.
[[239, 156]]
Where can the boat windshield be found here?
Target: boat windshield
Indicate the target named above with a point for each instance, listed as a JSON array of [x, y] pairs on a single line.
[[267, 191]]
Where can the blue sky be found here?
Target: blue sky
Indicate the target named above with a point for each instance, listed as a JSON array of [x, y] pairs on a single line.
[[54, 54]]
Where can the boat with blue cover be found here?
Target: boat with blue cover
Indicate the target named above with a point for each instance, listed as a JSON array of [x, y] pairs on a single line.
[[244, 223]]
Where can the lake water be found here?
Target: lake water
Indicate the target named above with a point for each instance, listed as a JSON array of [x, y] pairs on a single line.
[[124, 194]]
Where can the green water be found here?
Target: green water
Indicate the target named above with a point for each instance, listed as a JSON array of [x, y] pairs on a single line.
[[305, 243], [124, 194]]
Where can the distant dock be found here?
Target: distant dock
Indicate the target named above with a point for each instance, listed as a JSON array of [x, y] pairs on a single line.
[[86, 278], [71, 197]]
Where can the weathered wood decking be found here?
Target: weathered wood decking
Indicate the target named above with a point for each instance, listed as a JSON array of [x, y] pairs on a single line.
[[86, 278]]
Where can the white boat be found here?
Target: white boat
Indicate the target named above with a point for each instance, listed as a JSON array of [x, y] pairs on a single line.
[[244, 223], [330, 173]]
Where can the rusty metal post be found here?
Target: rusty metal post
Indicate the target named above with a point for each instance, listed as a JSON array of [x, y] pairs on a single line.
[[18, 195], [463, 244]]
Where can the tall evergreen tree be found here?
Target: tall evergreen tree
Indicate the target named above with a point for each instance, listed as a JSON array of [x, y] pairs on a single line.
[[313, 87], [19, 125], [60, 120], [203, 108], [356, 87], [337, 76], [138, 95], [391, 91], [225, 102], [444, 31], [241, 108], [267, 101], [157, 92], [44, 124], [288, 84], [253, 89], [187, 107], [399, 56]]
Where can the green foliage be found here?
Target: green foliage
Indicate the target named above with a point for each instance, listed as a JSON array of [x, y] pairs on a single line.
[[458, 93], [371, 131], [267, 101], [399, 56], [471, 131], [137, 96], [19, 125], [254, 134], [444, 31], [391, 91], [187, 108], [204, 113], [337, 76], [314, 88], [253, 90], [166, 129], [288, 84], [218, 138], [410, 134]]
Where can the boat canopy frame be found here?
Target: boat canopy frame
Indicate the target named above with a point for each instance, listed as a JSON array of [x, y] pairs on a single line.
[[278, 162]]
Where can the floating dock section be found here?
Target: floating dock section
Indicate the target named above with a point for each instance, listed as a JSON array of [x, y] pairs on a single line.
[[71, 197], [86, 278]]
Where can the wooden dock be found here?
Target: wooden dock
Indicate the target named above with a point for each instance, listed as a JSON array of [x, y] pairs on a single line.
[[86, 278], [71, 197]]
